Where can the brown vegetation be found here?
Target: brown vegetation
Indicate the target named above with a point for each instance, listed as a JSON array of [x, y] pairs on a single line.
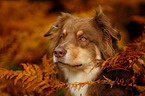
[[23, 24], [45, 78]]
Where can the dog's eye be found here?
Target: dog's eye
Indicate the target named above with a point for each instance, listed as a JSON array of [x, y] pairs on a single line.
[[83, 38], [61, 37]]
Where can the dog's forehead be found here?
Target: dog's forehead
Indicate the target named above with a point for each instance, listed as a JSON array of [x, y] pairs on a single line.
[[77, 25]]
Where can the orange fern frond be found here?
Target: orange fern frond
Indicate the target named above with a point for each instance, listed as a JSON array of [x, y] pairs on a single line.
[[33, 74], [44, 82], [46, 78]]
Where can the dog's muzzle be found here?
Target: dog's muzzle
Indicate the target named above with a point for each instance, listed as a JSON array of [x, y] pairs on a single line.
[[59, 53]]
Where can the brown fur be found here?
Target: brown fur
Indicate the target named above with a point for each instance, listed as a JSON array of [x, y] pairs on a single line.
[[102, 32], [99, 32]]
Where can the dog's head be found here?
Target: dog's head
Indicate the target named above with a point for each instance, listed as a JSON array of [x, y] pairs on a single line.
[[77, 41]]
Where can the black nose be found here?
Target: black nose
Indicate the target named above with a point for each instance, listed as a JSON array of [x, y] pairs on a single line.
[[59, 52]]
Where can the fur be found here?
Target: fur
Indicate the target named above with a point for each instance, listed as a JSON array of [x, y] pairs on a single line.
[[76, 43]]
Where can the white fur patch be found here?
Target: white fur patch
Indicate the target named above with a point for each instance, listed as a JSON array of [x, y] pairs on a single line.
[[80, 76]]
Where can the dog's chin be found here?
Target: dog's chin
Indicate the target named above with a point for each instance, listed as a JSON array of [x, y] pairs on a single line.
[[62, 64]]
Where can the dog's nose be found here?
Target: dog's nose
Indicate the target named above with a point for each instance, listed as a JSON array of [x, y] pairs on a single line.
[[59, 52]]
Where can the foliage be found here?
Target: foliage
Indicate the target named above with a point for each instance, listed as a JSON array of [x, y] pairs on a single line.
[[33, 74], [20, 32], [23, 24], [46, 78]]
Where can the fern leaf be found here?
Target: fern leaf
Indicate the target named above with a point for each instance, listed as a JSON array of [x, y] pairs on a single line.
[[43, 87], [10, 73], [3, 72], [25, 78], [31, 83], [12, 76], [24, 66], [40, 84], [20, 75], [38, 72], [80, 87], [30, 79], [72, 85], [49, 92], [45, 61], [60, 85], [30, 69], [75, 87]]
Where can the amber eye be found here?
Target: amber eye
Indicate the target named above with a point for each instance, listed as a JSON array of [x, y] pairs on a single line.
[[83, 38], [61, 37]]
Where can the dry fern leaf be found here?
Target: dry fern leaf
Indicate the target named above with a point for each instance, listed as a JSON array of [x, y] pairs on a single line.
[[46, 86], [46, 77], [32, 74]]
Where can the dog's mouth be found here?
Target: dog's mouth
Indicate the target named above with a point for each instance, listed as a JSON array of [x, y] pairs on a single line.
[[69, 65]]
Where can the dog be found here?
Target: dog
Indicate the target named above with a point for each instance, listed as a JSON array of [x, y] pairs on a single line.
[[77, 41]]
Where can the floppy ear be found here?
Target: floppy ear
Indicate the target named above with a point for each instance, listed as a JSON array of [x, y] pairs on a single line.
[[52, 28], [107, 35], [55, 30], [58, 24]]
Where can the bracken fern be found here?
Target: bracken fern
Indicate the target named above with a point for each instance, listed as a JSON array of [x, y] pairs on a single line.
[[45, 78]]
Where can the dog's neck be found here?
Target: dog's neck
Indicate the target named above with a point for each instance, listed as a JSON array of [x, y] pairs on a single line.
[[80, 76]]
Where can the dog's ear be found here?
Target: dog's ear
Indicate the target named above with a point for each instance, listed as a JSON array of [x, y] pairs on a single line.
[[58, 24], [107, 35], [52, 28], [55, 30]]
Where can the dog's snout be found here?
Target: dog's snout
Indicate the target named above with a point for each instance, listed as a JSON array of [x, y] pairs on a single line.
[[59, 52]]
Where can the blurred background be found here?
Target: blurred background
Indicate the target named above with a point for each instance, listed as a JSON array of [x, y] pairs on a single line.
[[24, 22]]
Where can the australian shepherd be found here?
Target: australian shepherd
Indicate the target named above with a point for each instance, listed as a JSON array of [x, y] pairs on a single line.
[[77, 42]]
